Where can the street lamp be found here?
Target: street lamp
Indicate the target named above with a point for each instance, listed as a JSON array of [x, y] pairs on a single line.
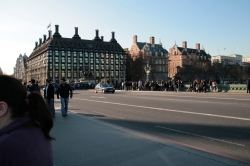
[[147, 69]]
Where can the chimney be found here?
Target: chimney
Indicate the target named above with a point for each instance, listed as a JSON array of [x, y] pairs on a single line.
[[102, 38], [57, 34], [152, 40], [44, 38], [197, 46], [49, 36], [184, 44], [36, 44], [135, 39], [76, 36], [97, 35], [40, 41], [57, 28], [113, 37]]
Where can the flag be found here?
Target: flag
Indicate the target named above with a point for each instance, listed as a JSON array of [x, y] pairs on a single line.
[[224, 48], [48, 26]]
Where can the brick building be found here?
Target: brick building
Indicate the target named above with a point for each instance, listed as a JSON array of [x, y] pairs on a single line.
[[181, 56], [73, 58], [143, 52]]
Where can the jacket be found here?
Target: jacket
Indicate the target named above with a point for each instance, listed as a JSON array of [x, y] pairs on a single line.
[[34, 88], [22, 142], [64, 91], [50, 92]]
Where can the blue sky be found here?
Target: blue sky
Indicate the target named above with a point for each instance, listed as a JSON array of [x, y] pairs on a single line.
[[215, 24]]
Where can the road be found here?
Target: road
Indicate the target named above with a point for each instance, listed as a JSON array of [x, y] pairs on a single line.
[[218, 123]]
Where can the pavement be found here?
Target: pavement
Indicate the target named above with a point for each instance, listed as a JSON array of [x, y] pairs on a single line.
[[84, 141]]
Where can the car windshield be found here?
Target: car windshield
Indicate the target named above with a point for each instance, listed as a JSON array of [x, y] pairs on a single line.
[[106, 85]]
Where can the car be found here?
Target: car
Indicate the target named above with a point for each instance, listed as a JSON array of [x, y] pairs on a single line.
[[104, 88]]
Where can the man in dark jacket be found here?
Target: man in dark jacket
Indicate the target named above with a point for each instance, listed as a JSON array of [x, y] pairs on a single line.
[[49, 96], [248, 85], [34, 87], [64, 90]]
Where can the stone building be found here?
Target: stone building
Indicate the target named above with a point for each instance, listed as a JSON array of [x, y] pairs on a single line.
[[76, 59], [231, 59], [142, 53], [1, 72], [181, 56], [20, 68]]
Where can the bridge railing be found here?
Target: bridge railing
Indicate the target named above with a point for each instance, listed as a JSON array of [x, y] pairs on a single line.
[[222, 88]]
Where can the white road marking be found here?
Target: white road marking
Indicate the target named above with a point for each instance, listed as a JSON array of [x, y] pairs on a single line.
[[97, 97], [200, 136], [169, 110], [196, 96]]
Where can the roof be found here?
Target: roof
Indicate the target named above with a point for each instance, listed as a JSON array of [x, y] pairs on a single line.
[[186, 51], [156, 48], [75, 43]]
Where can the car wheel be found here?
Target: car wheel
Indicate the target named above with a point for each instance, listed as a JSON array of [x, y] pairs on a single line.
[[103, 91], [113, 92]]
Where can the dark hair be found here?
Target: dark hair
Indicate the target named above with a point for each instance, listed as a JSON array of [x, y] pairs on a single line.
[[33, 81], [14, 94]]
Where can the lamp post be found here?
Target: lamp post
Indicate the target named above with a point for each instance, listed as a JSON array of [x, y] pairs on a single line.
[[147, 69]]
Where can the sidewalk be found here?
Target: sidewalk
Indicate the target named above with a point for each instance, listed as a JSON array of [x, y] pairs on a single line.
[[83, 141]]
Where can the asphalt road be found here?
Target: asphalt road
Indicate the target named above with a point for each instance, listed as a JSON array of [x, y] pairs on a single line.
[[214, 122]]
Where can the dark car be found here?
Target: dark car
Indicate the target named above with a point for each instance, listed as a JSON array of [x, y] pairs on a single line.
[[104, 88]]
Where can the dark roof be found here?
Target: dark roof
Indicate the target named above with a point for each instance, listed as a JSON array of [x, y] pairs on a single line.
[[76, 43], [156, 48], [186, 51]]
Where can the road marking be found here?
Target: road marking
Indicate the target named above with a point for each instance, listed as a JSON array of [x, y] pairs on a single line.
[[96, 97], [200, 136], [169, 110], [196, 96]]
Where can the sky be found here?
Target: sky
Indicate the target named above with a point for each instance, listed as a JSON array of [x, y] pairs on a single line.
[[220, 26]]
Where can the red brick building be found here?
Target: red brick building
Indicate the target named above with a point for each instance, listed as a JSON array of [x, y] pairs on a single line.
[[181, 56], [154, 54]]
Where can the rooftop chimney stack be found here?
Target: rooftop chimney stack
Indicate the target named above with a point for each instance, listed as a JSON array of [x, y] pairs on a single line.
[[57, 34], [135, 39], [97, 35], [197, 46], [152, 40], [113, 37], [40, 41], [49, 36], [76, 36], [44, 38], [184, 44], [102, 38], [36, 44]]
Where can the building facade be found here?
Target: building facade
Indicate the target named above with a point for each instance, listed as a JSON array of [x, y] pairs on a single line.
[[155, 55], [20, 68], [181, 56], [231, 59], [1, 72], [77, 59]]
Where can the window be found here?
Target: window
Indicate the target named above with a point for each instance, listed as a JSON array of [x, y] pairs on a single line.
[[91, 55], [68, 54], [97, 61], [63, 66], [69, 74], [69, 66], [91, 60], [74, 60], [69, 60], [56, 66], [96, 55], [56, 59], [63, 59], [63, 74], [74, 54], [86, 55]]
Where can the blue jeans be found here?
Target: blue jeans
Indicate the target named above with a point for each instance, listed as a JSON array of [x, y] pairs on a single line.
[[64, 105], [51, 106]]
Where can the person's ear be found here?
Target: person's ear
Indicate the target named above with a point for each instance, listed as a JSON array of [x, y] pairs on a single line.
[[3, 108]]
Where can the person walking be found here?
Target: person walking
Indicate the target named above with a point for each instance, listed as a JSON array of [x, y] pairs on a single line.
[[34, 87], [64, 91], [25, 124], [248, 85], [49, 96]]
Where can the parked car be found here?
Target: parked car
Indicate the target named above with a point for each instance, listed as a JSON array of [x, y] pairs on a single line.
[[104, 88]]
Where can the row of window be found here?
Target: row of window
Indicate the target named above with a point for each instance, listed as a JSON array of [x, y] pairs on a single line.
[[98, 74]]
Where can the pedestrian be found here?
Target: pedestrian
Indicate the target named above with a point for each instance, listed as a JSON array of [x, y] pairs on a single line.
[[49, 96], [34, 87], [25, 125], [64, 91], [248, 85], [214, 85]]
